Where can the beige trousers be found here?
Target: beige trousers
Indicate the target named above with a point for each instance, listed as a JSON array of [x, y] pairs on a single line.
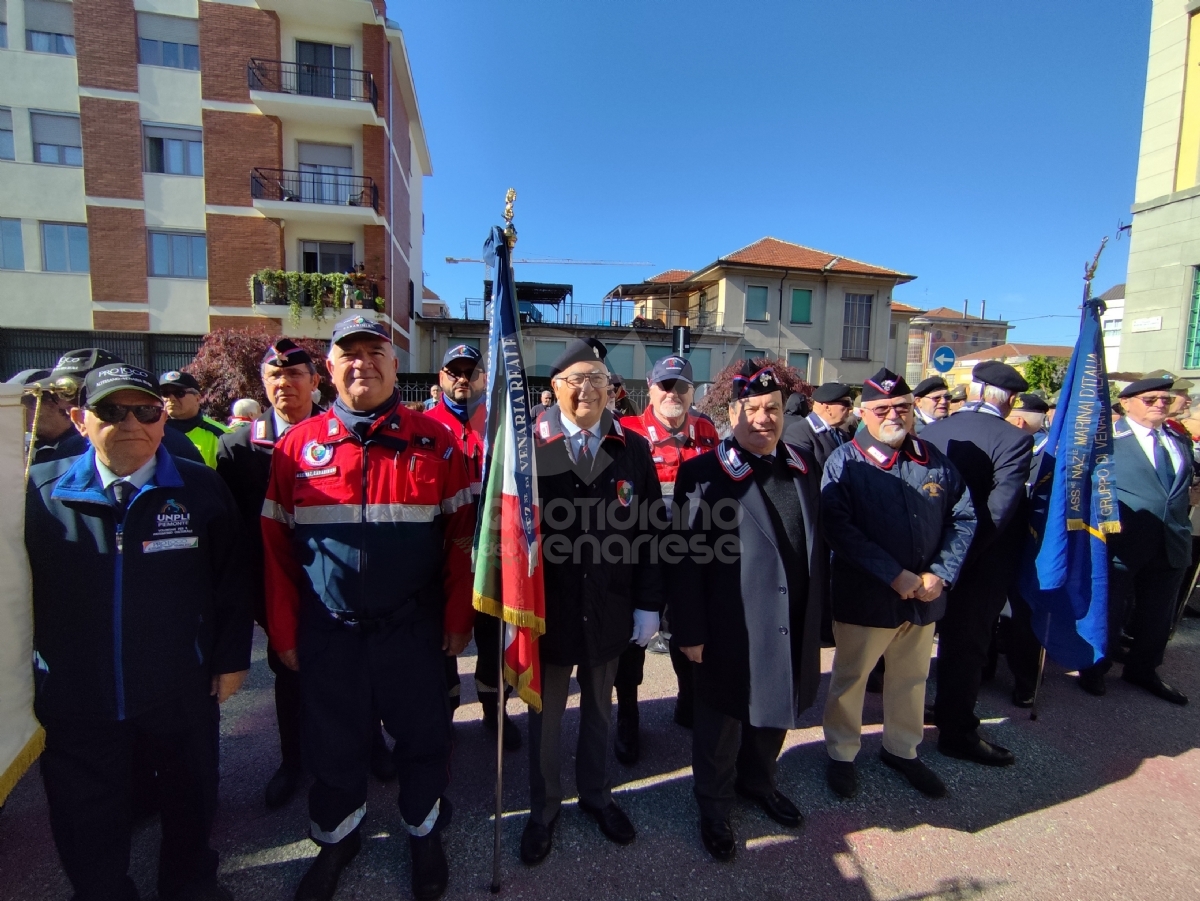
[[905, 652]]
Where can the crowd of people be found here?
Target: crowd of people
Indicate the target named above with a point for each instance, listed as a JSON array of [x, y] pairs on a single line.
[[345, 532]]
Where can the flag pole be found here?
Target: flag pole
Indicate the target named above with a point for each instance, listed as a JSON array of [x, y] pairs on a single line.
[[1037, 686], [510, 238]]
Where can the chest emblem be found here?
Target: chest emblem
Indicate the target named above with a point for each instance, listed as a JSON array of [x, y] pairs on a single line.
[[625, 492], [316, 454], [424, 441], [931, 489]]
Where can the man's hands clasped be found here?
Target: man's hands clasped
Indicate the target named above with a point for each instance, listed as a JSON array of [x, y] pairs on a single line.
[[924, 587]]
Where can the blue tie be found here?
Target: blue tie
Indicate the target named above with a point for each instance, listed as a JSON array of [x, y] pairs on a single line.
[[1162, 463]]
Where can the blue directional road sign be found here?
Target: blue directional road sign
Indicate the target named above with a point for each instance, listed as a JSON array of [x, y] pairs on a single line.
[[943, 359]]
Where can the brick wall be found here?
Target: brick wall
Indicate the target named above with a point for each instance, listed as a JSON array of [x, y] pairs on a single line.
[[238, 246], [400, 125], [399, 289], [229, 37], [234, 143], [112, 147], [375, 165], [401, 204], [254, 324], [104, 321], [117, 253], [375, 54], [380, 7], [105, 44]]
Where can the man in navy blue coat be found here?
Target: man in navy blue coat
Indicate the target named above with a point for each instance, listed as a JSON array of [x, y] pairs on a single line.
[[993, 457], [141, 628]]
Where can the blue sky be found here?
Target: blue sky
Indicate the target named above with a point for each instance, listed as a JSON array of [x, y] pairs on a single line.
[[984, 147]]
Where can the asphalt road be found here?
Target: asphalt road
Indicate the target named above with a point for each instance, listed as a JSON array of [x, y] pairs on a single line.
[[1104, 802]]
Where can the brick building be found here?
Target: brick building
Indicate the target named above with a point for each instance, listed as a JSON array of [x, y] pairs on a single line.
[[156, 154]]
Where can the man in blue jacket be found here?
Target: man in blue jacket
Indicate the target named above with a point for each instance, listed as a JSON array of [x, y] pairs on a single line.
[[142, 626]]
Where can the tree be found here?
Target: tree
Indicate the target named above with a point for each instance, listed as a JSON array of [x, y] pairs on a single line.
[[1046, 373], [227, 366], [716, 402]]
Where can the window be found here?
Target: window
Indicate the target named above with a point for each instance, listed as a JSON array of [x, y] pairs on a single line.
[[173, 151], [327, 257], [168, 41], [49, 27], [655, 352], [755, 353], [799, 362], [7, 147], [801, 305], [1191, 351], [620, 360], [756, 302], [856, 327], [12, 254], [56, 139], [3, 23], [64, 247], [701, 360], [323, 70], [545, 353], [1112, 327], [178, 256], [326, 173]]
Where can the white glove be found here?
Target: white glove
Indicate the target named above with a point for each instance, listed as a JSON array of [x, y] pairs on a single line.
[[645, 624]]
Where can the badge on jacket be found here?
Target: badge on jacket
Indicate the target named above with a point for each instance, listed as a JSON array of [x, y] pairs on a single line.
[[625, 492], [316, 454], [932, 489]]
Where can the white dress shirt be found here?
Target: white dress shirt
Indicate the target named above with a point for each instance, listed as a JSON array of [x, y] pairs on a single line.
[[593, 437], [137, 478], [1146, 438]]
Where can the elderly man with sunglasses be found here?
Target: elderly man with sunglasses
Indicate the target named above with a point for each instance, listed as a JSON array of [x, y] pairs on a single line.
[[932, 400], [142, 627]]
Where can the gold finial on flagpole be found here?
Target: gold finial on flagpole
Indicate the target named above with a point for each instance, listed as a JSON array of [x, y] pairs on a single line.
[[510, 233]]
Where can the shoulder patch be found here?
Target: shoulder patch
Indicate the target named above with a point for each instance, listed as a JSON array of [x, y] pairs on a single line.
[[544, 430], [732, 463], [795, 461]]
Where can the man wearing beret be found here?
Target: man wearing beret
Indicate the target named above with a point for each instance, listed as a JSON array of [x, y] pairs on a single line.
[[932, 399], [142, 627], [899, 520], [460, 408], [746, 604], [958, 397], [993, 457], [600, 501], [823, 430], [1147, 558], [181, 392], [289, 378]]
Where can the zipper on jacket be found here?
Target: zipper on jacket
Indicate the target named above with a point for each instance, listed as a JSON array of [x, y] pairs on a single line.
[[118, 620], [362, 560]]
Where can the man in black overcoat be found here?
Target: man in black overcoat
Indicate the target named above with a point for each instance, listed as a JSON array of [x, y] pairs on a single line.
[[746, 602], [823, 430]]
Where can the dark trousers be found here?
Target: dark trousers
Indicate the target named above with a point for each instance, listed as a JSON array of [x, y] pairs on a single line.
[[684, 675], [1143, 600], [630, 667], [965, 637], [351, 678], [725, 750], [86, 769], [287, 710], [545, 739], [1021, 646], [487, 646]]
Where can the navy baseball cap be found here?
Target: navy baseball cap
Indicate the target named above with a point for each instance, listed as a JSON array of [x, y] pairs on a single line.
[[177, 379], [106, 380], [670, 368], [460, 352], [358, 324]]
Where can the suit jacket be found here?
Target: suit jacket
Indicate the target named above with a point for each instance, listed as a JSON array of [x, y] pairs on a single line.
[[708, 596], [1152, 519], [812, 434]]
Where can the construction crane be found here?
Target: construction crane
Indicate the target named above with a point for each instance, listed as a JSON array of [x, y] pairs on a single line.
[[551, 262]]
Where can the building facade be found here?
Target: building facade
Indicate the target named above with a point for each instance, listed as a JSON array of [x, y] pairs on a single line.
[[957, 329], [156, 154], [1161, 327], [1111, 324], [1015, 355]]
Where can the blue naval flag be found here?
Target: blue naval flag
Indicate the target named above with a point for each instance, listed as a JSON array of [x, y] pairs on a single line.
[[1064, 575]]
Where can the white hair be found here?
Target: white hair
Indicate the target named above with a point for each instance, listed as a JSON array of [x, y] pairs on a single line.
[[990, 394], [246, 408], [1035, 420]]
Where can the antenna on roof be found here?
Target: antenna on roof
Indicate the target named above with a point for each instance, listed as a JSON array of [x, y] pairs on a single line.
[[554, 262], [1123, 227]]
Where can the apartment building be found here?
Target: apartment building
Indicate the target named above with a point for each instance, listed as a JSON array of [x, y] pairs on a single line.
[[959, 330], [156, 154]]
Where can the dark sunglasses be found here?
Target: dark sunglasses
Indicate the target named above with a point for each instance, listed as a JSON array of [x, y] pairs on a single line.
[[176, 392], [669, 385], [146, 414]]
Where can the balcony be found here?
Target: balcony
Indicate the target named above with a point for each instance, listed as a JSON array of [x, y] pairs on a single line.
[[301, 92], [316, 197]]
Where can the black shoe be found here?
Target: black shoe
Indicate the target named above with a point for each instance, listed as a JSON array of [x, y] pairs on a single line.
[[1022, 697], [929, 716], [1091, 680], [921, 777], [627, 745], [430, 872], [842, 778], [1154, 684], [536, 841], [490, 700], [612, 821], [321, 880], [775, 805], [684, 715], [282, 786], [718, 839], [973, 748], [209, 890], [383, 765]]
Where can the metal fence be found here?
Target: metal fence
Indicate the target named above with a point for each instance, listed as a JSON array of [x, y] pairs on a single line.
[[610, 313], [329, 188], [22, 349], [309, 80]]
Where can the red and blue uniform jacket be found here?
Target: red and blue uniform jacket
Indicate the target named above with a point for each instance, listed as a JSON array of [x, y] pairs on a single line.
[[669, 449], [469, 436], [363, 527]]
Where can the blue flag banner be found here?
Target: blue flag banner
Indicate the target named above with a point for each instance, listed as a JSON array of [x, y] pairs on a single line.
[[1064, 574]]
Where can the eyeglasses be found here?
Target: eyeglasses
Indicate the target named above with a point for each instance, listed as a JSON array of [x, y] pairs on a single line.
[[1163, 400], [460, 376], [674, 386], [595, 379], [938, 398], [901, 410], [146, 414], [177, 393]]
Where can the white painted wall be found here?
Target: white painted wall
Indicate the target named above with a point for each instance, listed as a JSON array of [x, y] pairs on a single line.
[[174, 201], [1163, 107], [178, 305], [189, 9], [169, 96], [39, 191], [51, 300]]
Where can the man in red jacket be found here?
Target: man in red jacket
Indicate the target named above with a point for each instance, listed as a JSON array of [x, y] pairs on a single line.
[[675, 435], [367, 528]]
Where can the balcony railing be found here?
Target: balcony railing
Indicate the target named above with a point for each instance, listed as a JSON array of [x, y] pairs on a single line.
[[314, 187], [307, 80], [612, 313]]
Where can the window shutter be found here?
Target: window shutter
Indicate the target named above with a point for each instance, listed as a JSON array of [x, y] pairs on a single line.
[[4, 11], [168, 28], [48, 129], [327, 155], [177, 134], [50, 16], [5, 120]]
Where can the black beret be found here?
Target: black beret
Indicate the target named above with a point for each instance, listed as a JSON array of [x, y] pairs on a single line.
[[958, 394], [832, 392], [286, 352], [933, 383], [580, 350], [1141, 386], [752, 380], [884, 384], [1030, 403], [999, 375]]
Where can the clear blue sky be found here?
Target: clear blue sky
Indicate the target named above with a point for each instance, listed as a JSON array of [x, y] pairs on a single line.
[[984, 147]]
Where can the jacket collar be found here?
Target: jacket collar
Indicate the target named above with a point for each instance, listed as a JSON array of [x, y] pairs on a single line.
[[82, 482], [659, 433], [393, 422], [979, 406], [885, 457], [550, 427], [262, 430], [818, 424]]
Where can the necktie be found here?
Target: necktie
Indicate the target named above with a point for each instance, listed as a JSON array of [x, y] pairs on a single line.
[[1162, 463], [583, 456], [122, 494]]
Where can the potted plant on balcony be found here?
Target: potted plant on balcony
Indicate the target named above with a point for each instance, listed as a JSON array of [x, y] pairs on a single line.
[[271, 287]]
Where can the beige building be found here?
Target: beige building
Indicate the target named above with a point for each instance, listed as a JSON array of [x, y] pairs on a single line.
[[962, 332], [1161, 323], [1015, 355]]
